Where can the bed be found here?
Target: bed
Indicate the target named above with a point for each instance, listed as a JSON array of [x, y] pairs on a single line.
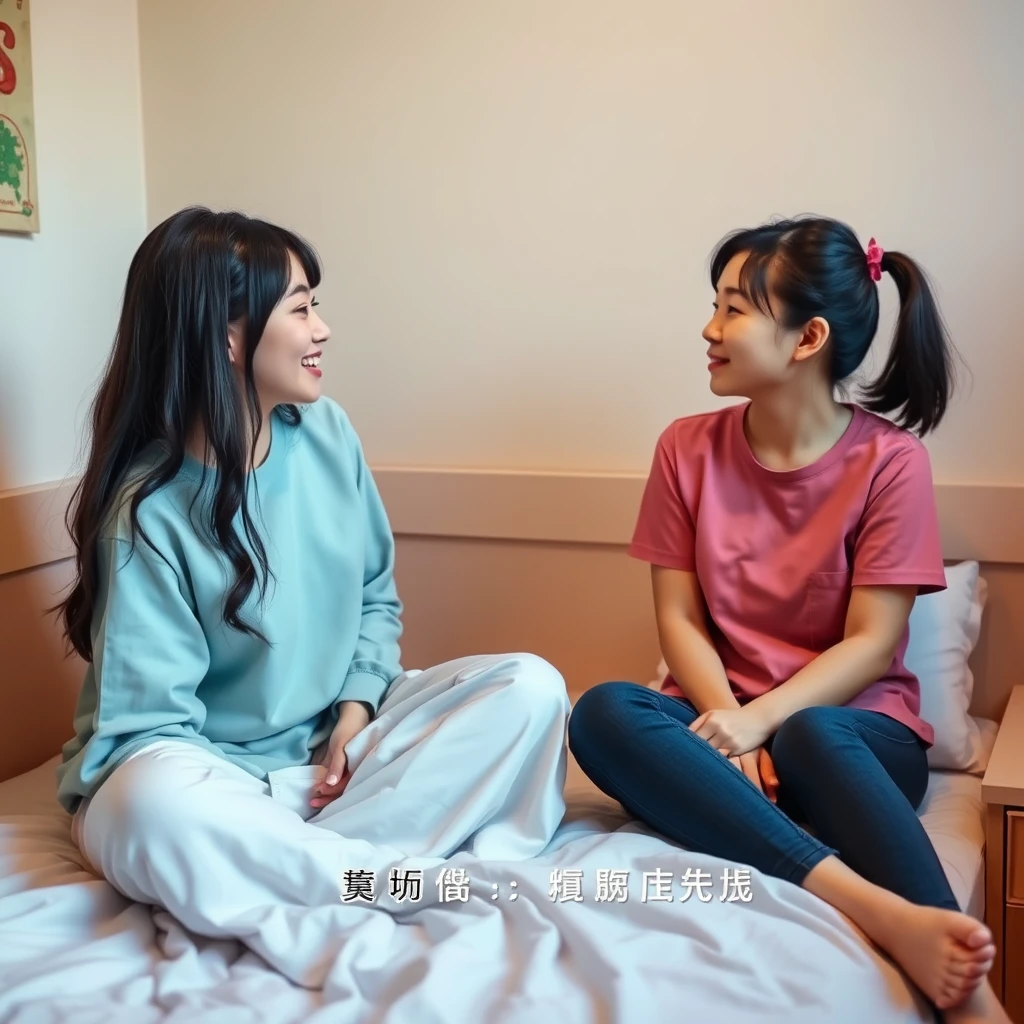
[[72, 949]]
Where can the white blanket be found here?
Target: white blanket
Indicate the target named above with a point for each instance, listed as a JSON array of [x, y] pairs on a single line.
[[73, 950]]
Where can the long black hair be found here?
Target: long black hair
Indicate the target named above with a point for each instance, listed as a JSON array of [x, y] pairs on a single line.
[[816, 266], [169, 374]]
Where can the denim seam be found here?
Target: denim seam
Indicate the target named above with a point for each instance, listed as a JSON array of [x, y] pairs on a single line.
[[792, 825], [794, 874], [912, 740]]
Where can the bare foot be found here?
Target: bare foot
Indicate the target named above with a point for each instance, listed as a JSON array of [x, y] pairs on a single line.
[[980, 1007], [945, 953]]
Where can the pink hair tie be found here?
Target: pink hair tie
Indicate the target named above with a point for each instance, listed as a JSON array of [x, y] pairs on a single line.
[[875, 253]]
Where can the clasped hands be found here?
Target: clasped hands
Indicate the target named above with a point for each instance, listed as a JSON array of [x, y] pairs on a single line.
[[739, 734]]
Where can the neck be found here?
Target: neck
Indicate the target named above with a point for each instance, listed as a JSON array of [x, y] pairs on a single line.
[[794, 426], [196, 445]]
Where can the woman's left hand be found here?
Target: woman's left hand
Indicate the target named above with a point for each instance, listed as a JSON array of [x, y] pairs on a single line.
[[732, 731], [353, 719]]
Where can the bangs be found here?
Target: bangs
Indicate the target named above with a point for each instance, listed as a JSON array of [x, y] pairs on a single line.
[[262, 252], [305, 254], [766, 255]]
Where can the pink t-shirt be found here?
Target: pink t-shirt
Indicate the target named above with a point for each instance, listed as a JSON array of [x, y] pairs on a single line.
[[776, 553]]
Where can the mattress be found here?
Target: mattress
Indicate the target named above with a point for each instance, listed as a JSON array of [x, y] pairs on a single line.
[[953, 814]]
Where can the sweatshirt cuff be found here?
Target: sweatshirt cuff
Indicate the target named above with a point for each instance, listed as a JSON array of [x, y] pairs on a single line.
[[365, 686]]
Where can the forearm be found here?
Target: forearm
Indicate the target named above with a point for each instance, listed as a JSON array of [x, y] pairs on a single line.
[[376, 659], [833, 678], [694, 663]]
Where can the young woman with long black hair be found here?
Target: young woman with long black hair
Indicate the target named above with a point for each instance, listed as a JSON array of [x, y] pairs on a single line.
[[245, 733]]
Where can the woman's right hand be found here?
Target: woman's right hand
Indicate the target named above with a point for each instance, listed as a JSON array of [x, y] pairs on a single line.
[[757, 766]]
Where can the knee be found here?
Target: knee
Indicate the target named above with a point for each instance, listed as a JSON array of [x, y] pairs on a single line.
[[805, 740], [145, 800], [598, 719], [538, 687]]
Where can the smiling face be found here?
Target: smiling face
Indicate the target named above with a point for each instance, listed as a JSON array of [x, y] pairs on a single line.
[[285, 365], [749, 352]]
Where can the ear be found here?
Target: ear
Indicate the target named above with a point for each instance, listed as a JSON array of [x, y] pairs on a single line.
[[816, 332], [236, 344]]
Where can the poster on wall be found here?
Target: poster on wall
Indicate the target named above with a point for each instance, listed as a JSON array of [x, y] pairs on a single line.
[[19, 204]]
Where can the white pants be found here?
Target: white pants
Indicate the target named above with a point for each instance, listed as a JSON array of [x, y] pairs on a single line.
[[468, 757]]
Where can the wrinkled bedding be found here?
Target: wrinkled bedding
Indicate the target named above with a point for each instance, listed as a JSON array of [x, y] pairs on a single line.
[[73, 950]]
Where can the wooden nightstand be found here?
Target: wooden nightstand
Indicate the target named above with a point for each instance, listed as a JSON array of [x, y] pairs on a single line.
[[1003, 792]]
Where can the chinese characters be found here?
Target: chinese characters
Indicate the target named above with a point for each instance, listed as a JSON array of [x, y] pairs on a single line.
[[566, 885]]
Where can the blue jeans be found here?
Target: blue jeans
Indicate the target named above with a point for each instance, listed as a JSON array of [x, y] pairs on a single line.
[[855, 777]]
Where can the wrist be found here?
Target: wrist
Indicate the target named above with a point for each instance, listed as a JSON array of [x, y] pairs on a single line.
[[767, 713], [355, 710]]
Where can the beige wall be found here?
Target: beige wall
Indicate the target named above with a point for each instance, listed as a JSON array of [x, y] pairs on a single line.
[[516, 200], [60, 289]]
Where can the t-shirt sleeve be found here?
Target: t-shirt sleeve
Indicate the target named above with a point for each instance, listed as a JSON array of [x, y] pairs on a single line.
[[898, 540], [664, 533]]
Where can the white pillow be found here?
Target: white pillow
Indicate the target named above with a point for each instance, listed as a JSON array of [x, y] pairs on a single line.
[[944, 630]]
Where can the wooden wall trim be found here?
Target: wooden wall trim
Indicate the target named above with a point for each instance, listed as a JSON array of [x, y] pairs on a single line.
[[983, 522], [978, 521], [570, 508], [32, 529]]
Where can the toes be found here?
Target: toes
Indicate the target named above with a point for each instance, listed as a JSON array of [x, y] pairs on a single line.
[[973, 973], [959, 980], [985, 956], [976, 954], [968, 931], [953, 994], [970, 965], [978, 938], [965, 969]]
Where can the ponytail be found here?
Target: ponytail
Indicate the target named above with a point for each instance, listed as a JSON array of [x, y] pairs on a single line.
[[917, 380]]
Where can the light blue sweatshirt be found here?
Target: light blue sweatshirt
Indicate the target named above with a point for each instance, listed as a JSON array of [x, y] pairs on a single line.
[[165, 665]]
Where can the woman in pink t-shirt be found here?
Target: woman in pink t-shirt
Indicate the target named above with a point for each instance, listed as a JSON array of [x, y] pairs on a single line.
[[789, 536]]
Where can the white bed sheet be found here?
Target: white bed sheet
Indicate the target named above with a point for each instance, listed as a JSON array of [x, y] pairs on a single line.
[[73, 950]]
